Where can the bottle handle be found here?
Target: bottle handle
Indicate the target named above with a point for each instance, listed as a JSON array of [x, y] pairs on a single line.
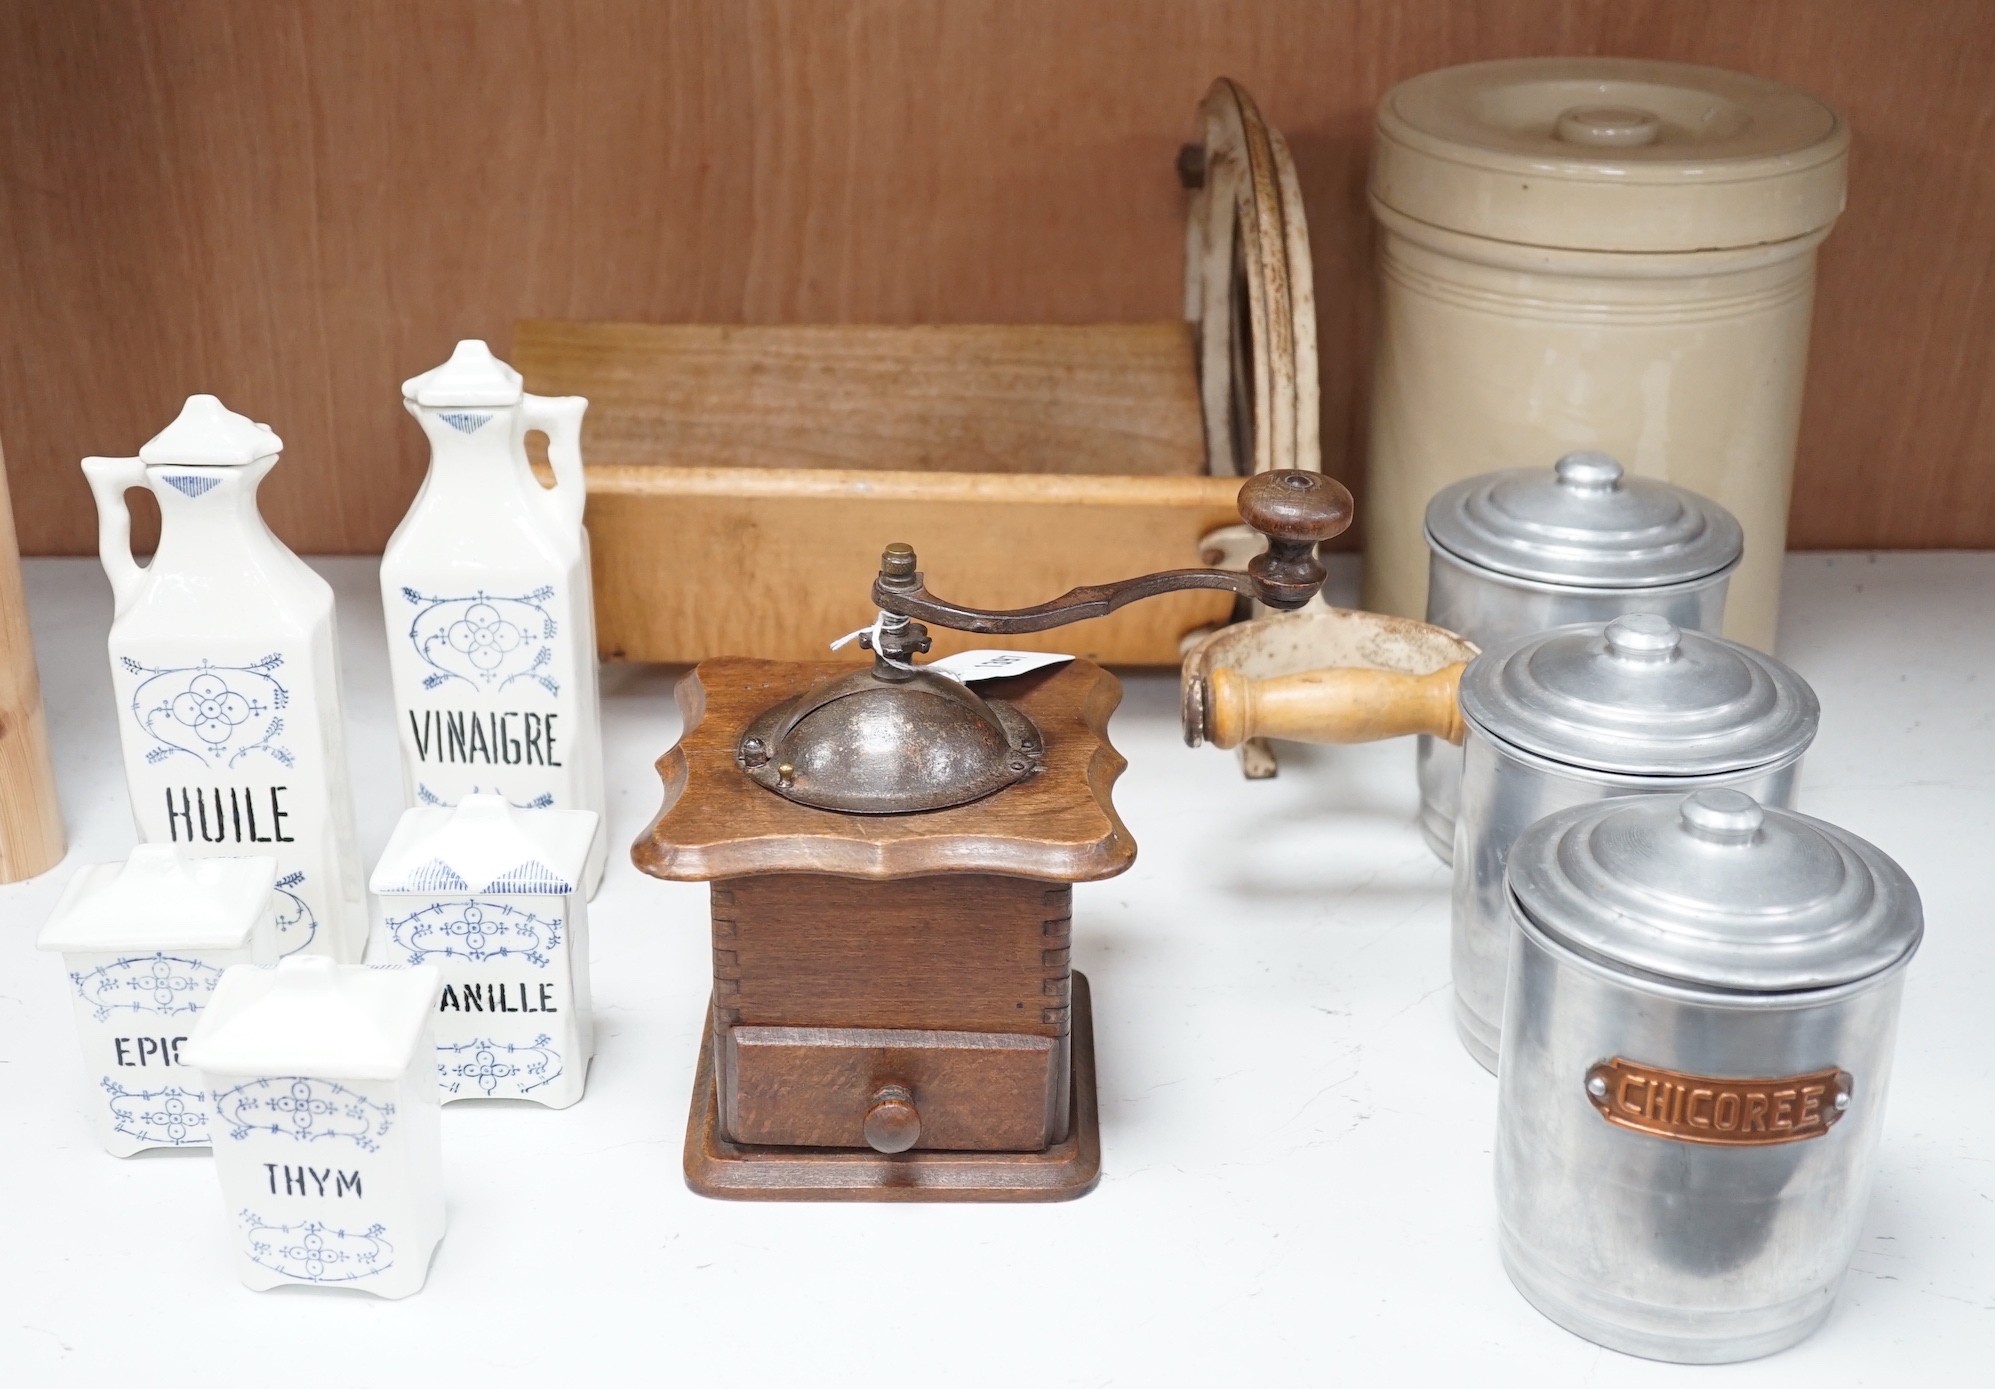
[[110, 479], [560, 418]]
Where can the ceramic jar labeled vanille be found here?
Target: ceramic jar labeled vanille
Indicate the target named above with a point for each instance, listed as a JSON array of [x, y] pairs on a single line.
[[1587, 713], [491, 895], [322, 1080], [491, 618], [225, 666], [1529, 549], [1703, 1001], [1595, 253], [145, 943]]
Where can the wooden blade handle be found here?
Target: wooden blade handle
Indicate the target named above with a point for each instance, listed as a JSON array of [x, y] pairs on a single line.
[[1344, 705]]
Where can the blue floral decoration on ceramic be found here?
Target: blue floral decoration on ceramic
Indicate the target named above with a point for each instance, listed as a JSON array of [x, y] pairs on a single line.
[[486, 640], [297, 926], [157, 983], [476, 931], [303, 1108], [171, 1116], [544, 801], [523, 1067], [216, 714], [313, 1252]]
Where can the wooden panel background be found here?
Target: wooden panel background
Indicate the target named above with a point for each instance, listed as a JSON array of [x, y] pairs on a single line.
[[296, 205]]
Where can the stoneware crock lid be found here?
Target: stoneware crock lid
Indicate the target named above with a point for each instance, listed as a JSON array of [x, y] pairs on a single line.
[[1610, 154], [207, 434], [162, 898], [486, 845], [472, 376], [1715, 890], [1584, 523], [1639, 696], [310, 1016]]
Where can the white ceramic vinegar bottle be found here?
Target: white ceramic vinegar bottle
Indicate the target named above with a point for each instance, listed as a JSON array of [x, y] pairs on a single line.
[[224, 659], [491, 616]]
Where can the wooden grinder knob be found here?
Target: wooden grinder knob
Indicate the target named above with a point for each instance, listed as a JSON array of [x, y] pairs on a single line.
[[1296, 510], [893, 1125]]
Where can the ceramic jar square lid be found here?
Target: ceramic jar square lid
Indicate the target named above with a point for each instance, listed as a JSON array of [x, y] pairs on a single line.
[[308, 1015], [1584, 524], [1639, 696], [1610, 154], [1715, 890], [472, 376], [207, 434], [161, 897], [487, 846]]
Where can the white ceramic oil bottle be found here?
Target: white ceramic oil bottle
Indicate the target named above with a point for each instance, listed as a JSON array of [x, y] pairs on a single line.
[[491, 617], [224, 661]]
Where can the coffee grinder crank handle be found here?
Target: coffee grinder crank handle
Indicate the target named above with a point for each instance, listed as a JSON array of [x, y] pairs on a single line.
[[1294, 509]]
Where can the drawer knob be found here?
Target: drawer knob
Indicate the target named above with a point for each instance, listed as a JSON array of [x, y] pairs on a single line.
[[893, 1125]]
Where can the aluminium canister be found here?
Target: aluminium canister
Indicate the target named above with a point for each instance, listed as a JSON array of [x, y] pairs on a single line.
[[1703, 1001], [1589, 712], [1527, 549], [1595, 253]]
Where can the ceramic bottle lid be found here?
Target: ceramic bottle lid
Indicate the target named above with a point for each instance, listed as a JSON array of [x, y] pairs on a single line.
[[1585, 523], [207, 434], [472, 376], [1610, 154], [310, 1016], [162, 898], [1716, 890], [485, 845], [1640, 696]]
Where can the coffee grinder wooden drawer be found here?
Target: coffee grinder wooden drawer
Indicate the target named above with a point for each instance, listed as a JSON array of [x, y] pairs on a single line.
[[893, 1089]]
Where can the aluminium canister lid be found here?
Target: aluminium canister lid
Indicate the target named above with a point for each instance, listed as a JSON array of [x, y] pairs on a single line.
[[1584, 523], [1640, 696], [1610, 154], [1715, 890]]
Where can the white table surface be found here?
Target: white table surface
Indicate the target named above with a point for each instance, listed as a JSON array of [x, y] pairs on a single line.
[[1296, 1151]]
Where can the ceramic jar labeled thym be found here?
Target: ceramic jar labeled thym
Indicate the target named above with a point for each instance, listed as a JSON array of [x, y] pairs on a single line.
[[145, 943], [491, 895], [1586, 713], [491, 618], [1529, 549], [1697, 1043], [224, 660], [322, 1080], [1605, 253]]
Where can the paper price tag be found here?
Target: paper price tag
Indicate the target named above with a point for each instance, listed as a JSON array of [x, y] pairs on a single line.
[[968, 666]]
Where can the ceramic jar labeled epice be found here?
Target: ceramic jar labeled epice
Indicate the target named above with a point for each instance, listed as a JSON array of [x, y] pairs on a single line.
[[1595, 253], [145, 943], [225, 663], [1587, 713], [1529, 549], [1702, 1005], [491, 616]]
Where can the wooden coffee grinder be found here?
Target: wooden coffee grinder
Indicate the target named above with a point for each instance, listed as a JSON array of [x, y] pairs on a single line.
[[892, 855]]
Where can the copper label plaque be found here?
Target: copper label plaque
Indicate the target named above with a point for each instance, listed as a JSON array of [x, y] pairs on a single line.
[[1709, 1109]]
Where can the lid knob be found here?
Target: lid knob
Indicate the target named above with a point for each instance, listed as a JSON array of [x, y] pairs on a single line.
[[1608, 127], [1589, 471], [1643, 637], [1721, 815]]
